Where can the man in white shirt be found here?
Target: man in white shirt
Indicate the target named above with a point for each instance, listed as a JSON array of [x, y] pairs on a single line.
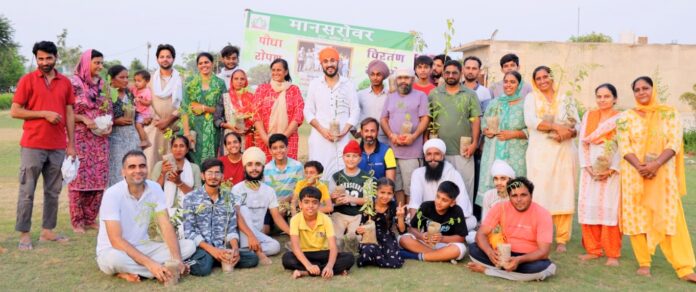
[[425, 181], [372, 98], [230, 60], [124, 248], [331, 104]]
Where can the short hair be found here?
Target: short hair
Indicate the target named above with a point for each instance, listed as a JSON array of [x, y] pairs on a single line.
[[508, 58], [224, 139], [473, 58], [448, 188], [229, 50], [516, 74], [443, 58], [167, 47], [519, 181], [115, 70], [45, 46], [210, 163], [385, 181], [316, 164], [538, 69], [609, 87], [310, 192], [454, 63], [205, 54], [285, 66], [368, 120], [644, 78], [132, 153], [423, 60], [96, 54], [144, 74], [277, 137]]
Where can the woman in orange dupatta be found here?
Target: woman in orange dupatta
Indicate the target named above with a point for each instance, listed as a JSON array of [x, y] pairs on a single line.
[[599, 191], [653, 182], [240, 108]]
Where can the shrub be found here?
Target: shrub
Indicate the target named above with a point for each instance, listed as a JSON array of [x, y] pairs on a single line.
[[690, 141], [5, 101]]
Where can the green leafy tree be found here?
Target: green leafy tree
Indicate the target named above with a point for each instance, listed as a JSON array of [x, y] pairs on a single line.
[[68, 57], [11, 62], [594, 37], [135, 66], [690, 98], [259, 74]]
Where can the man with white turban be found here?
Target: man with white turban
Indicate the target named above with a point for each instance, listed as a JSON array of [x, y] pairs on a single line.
[[501, 172], [254, 199], [425, 181]]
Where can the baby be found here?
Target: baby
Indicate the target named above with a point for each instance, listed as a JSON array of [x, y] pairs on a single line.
[[143, 100]]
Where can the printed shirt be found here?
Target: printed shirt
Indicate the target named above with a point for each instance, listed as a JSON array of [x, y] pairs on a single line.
[[212, 222], [354, 188], [452, 222]]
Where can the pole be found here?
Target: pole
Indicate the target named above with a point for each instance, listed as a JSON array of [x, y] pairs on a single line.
[[147, 63], [578, 33]]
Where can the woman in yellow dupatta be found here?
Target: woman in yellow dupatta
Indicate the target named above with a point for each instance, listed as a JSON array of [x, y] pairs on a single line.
[[652, 180], [552, 159]]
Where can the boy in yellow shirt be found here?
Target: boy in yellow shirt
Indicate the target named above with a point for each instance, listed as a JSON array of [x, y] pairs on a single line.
[[314, 251], [312, 173]]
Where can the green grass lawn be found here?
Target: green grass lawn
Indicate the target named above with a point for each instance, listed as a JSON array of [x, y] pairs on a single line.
[[72, 266]]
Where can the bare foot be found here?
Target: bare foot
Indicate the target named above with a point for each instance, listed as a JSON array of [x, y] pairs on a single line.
[[690, 278], [612, 262], [561, 248], [644, 271], [94, 226], [474, 267], [145, 144], [3, 250], [49, 235], [78, 230], [129, 277], [264, 260], [299, 274], [345, 273], [587, 257]]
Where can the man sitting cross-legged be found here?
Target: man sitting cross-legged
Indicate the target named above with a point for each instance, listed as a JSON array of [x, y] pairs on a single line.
[[124, 248], [210, 221], [526, 226], [438, 228]]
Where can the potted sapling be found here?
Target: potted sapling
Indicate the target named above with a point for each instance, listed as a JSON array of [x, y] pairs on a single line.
[[493, 121], [406, 127], [229, 251], [603, 162], [368, 209]]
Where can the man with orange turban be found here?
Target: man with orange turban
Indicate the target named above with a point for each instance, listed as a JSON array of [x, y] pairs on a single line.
[[332, 108]]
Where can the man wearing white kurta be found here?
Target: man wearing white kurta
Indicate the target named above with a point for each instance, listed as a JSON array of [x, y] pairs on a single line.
[[426, 179], [330, 98]]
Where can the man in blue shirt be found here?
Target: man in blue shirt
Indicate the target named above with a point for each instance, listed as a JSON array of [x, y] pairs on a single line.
[[377, 158]]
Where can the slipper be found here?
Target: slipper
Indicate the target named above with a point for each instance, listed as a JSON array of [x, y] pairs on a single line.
[[25, 246], [57, 238]]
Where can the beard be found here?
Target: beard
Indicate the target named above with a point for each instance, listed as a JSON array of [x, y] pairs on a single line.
[[332, 74], [166, 67], [404, 89], [435, 76], [472, 79], [369, 140], [46, 68], [434, 173], [452, 81], [250, 178]]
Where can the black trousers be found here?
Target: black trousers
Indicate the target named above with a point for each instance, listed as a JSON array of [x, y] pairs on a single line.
[[344, 261]]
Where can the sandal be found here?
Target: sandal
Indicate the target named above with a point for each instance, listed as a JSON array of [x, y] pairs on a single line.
[[25, 246], [56, 238]]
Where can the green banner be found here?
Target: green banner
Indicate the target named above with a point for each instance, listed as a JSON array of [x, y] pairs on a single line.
[[299, 40]]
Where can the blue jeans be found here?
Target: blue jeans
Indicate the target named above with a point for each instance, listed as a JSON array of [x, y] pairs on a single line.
[[205, 262], [524, 268]]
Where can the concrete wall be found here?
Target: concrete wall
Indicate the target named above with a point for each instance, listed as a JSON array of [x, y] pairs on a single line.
[[618, 64]]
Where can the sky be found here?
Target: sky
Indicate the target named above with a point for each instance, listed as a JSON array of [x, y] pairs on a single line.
[[121, 29]]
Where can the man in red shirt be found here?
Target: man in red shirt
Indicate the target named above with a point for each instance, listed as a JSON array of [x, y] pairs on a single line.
[[44, 100]]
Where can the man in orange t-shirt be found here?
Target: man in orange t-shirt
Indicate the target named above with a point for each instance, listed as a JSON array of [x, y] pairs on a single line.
[[527, 227]]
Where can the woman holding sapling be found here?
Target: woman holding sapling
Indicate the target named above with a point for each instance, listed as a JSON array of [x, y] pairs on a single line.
[[176, 173], [552, 160], [598, 198], [385, 252], [505, 133], [124, 136]]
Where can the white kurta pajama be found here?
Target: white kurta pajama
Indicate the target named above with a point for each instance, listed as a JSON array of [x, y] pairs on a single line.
[[323, 104]]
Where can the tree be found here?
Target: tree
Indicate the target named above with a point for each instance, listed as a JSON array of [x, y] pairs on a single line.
[[135, 66], [594, 37], [259, 74], [107, 65], [11, 62], [68, 57], [690, 98]]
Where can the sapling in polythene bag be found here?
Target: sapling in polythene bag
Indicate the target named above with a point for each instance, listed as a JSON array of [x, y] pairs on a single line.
[[368, 209]]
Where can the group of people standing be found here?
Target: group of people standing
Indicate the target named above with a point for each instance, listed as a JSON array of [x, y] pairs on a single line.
[[439, 152]]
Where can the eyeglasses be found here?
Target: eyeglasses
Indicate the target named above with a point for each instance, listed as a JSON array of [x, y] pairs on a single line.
[[450, 73], [213, 173]]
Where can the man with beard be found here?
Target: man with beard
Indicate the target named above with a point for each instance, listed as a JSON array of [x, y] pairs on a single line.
[[124, 248], [509, 62], [471, 71], [425, 181], [214, 229], [372, 99], [254, 198], [44, 100], [230, 60], [438, 66], [377, 158], [458, 115], [404, 119], [166, 87], [332, 109], [527, 228]]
